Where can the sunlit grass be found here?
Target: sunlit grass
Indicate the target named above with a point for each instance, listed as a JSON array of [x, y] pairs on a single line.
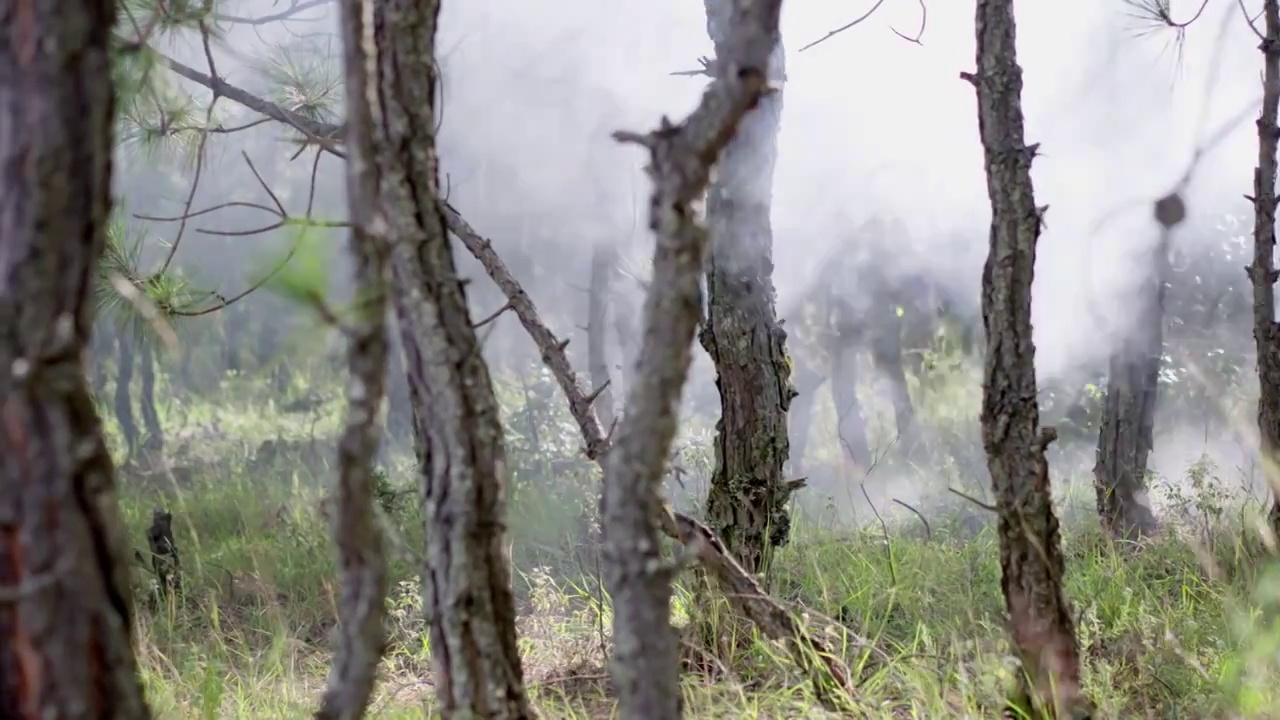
[[1172, 630]]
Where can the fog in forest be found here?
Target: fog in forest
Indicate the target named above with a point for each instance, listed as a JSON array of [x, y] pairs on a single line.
[[876, 128]]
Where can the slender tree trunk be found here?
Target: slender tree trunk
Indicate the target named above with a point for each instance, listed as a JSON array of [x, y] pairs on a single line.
[[747, 505], [885, 341], [1263, 272], [102, 343], [123, 401], [603, 259], [851, 423], [234, 320], [66, 606], [1031, 559], [1126, 431], [399, 406], [360, 637], [147, 397], [466, 584]]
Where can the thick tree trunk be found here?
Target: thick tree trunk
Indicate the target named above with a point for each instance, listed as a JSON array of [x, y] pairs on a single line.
[[66, 646], [603, 259], [747, 505], [466, 584], [1263, 272], [1031, 559], [360, 636], [1126, 431]]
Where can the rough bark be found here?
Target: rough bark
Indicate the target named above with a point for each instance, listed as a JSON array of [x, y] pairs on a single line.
[[66, 606], [1263, 271], [747, 504], [1126, 431], [603, 259], [466, 583], [1031, 558], [360, 638]]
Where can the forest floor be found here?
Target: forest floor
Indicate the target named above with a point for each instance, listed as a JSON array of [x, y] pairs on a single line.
[[1184, 627]]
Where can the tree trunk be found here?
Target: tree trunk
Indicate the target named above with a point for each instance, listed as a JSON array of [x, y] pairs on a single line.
[[851, 423], [123, 401], [147, 398], [884, 338], [234, 320], [360, 637], [102, 343], [1126, 430], [603, 259], [1263, 272], [466, 584], [645, 668], [1031, 559], [747, 505], [399, 406], [66, 606]]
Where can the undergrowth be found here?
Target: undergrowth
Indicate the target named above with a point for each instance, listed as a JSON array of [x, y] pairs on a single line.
[[1187, 626]]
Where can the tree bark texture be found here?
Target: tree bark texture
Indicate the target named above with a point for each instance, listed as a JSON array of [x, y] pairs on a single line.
[[1031, 559], [1263, 273], [747, 504], [66, 606], [360, 638], [646, 664], [466, 583], [1127, 428]]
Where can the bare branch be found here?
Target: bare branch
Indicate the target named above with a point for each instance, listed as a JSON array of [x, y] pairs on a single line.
[[290, 13], [856, 21]]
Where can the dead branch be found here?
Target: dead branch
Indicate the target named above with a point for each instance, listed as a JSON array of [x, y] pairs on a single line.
[[832, 682], [924, 16], [283, 219], [290, 13]]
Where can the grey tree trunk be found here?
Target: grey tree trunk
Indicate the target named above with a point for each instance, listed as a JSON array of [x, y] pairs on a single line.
[[466, 583], [123, 402], [360, 636], [1263, 272], [66, 606], [399, 407], [747, 504], [645, 664], [603, 260], [1126, 430], [1031, 559], [147, 399]]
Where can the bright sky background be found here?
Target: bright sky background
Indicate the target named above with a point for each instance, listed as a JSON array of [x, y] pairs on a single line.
[[872, 124]]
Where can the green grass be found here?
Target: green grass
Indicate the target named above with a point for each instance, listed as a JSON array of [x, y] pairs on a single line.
[[1182, 628]]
